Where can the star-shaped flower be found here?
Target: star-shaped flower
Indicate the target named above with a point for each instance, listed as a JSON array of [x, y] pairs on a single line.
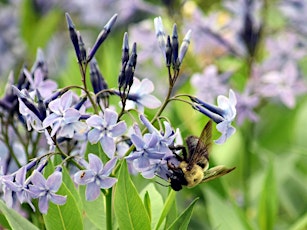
[[45, 190], [140, 95], [96, 176], [105, 129]]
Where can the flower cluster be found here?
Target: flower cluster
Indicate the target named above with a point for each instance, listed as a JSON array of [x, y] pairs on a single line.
[[59, 122]]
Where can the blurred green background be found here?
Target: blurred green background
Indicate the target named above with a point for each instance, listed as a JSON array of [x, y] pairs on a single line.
[[268, 189]]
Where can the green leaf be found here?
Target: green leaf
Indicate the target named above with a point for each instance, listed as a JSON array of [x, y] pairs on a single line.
[[156, 206], [129, 209], [93, 211], [268, 201], [172, 215], [15, 220], [67, 180], [65, 216], [223, 214], [3, 221], [183, 220], [147, 204], [167, 207], [300, 224]]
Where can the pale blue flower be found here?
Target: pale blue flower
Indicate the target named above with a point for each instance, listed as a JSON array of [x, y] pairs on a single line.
[[140, 95], [222, 114], [96, 176], [20, 186], [64, 120], [146, 150], [105, 129], [45, 190], [165, 138]]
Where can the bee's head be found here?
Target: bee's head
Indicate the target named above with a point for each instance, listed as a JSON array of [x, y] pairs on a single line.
[[177, 179]]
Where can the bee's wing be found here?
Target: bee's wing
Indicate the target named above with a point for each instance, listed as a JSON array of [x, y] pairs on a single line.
[[199, 148], [216, 172]]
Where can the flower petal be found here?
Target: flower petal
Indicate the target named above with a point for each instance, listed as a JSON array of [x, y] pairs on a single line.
[[21, 175], [92, 191], [107, 182], [95, 121], [95, 163], [84, 177], [38, 179], [94, 136], [108, 145], [146, 87], [43, 204], [54, 181], [58, 199], [110, 117], [118, 129], [149, 101], [109, 167]]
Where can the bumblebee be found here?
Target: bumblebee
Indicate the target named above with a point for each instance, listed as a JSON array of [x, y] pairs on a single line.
[[194, 166]]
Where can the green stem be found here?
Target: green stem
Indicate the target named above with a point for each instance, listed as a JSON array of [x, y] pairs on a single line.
[[247, 165], [108, 200]]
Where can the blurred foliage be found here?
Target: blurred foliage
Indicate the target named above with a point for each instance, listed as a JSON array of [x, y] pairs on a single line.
[[274, 150]]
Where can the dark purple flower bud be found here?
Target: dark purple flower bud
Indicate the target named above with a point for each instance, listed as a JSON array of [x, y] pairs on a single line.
[[250, 33], [42, 166], [101, 37], [97, 79], [129, 72], [41, 105], [215, 117], [55, 96], [175, 45], [80, 103], [73, 36], [208, 106], [84, 117], [30, 105], [169, 52], [31, 164], [125, 49], [9, 102], [82, 48], [22, 82], [98, 82]]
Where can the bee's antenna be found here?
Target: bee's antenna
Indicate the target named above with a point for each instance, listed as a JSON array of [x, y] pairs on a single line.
[[164, 185], [161, 183]]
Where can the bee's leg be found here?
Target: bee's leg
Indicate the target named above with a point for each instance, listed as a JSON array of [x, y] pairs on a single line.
[[179, 147]]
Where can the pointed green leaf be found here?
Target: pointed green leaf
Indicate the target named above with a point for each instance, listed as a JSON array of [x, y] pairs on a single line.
[[93, 211], [268, 201], [223, 214], [3, 221], [67, 180], [156, 206], [172, 215], [183, 220], [300, 224], [167, 207], [15, 220], [147, 204], [65, 216], [129, 209]]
